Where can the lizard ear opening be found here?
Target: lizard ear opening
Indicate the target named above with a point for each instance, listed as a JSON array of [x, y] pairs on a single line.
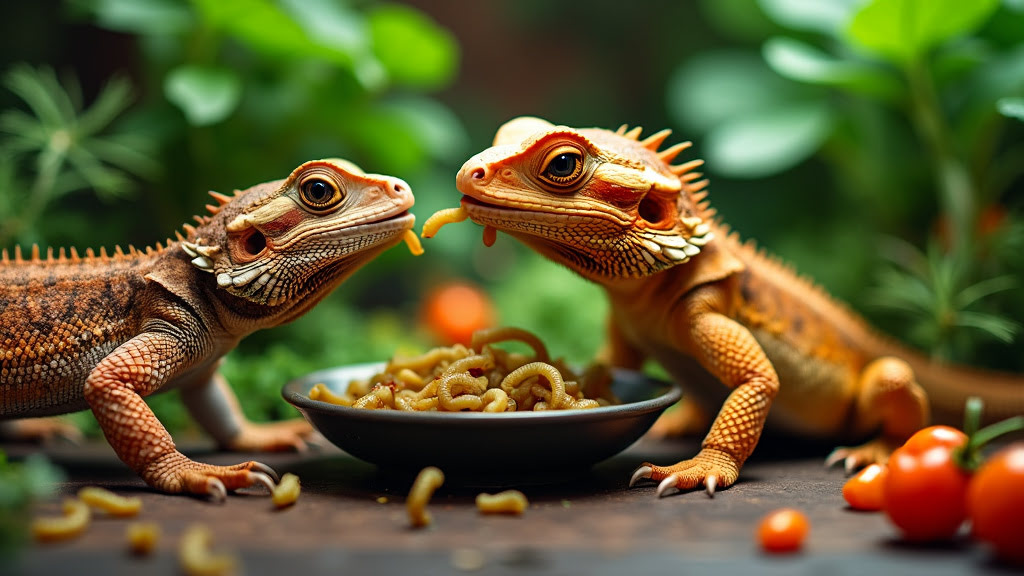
[[247, 245], [658, 212]]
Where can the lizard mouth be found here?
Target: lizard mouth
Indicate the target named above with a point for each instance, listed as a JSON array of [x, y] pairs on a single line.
[[503, 216]]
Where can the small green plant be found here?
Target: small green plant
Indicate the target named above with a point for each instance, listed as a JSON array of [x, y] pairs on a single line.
[[59, 146]]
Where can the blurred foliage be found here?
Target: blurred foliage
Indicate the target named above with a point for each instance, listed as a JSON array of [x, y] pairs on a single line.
[[908, 104], [830, 129], [21, 483]]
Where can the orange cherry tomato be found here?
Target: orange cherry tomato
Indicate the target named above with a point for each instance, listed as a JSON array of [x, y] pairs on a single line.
[[783, 530], [455, 310], [865, 490], [995, 503], [925, 490]]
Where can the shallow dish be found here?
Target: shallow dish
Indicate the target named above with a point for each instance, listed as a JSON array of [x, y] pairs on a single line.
[[520, 443]]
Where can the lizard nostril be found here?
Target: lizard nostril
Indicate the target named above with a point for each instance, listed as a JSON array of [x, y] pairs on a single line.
[[479, 173]]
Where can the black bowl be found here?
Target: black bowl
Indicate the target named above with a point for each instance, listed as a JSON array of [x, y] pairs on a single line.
[[520, 444]]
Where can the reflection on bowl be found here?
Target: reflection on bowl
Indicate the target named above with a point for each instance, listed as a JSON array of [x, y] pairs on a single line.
[[517, 443]]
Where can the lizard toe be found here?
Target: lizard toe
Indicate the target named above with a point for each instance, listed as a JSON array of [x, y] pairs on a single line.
[[284, 436], [641, 473], [856, 457], [176, 474], [711, 469]]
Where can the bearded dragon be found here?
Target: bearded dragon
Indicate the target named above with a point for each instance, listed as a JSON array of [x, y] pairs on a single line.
[[738, 329], [103, 331]]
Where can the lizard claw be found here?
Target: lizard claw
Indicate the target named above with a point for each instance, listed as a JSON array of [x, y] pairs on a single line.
[[711, 468], [837, 456], [668, 486], [268, 471], [854, 457], [709, 485], [175, 473], [265, 480], [216, 490], [641, 473]]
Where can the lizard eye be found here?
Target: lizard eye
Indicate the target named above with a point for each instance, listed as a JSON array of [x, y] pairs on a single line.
[[563, 166], [319, 193]]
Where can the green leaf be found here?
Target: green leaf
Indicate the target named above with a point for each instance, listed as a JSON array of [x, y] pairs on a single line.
[[713, 87], [768, 142], [980, 290], [265, 27], [438, 129], [330, 23], [904, 30], [1000, 328], [802, 62], [1015, 5], [114, 98], [1011, 108], [412, 48], [737, 20], [205, 95], [145, 17], [42, 93], [829, 16]]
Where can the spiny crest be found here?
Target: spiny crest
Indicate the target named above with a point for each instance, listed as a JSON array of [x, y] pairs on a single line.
[[654, 141], [69, 255]]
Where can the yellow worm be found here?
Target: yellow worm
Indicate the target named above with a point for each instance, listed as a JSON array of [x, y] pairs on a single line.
[[428, 480], [413, 242], [441, 218]]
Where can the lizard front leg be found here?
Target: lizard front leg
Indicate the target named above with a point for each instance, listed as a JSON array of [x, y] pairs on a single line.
[[114, 391], [215, 407], [730, 353]]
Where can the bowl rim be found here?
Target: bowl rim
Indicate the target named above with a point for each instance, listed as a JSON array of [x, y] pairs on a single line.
[[295, 393]]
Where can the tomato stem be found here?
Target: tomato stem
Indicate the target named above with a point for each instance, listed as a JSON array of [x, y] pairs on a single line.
[[968, 456]]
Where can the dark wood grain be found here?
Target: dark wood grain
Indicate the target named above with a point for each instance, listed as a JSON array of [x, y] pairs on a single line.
[[590, 524]]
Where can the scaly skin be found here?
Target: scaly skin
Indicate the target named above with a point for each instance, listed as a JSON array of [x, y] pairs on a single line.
[[104, 331], [737, 329]]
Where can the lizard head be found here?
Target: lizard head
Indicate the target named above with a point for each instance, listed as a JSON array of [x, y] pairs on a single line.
[[603, 203], [294, 240]]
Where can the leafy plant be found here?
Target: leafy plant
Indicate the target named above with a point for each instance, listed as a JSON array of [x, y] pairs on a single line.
[[909, 105], [939, 302], [68, 148]]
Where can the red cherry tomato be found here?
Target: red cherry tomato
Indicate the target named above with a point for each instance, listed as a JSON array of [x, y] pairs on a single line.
[[995, 503], [783, 530], [925, 491], [935, 436], [454, 311], [865, 491]]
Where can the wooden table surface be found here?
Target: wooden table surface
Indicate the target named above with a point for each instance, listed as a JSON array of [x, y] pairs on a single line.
[[590, 524]]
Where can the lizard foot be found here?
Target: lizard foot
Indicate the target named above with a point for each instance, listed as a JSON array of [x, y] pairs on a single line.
[[272, 436], [41, 430], [710, 468], [854, 457], [683, 419], [176, 474]]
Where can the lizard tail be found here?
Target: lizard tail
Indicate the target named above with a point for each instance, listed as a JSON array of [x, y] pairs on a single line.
[[948, 387]]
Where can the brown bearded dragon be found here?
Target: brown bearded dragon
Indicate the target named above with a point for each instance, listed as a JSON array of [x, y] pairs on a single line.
[[736, 328], [104, 331]]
